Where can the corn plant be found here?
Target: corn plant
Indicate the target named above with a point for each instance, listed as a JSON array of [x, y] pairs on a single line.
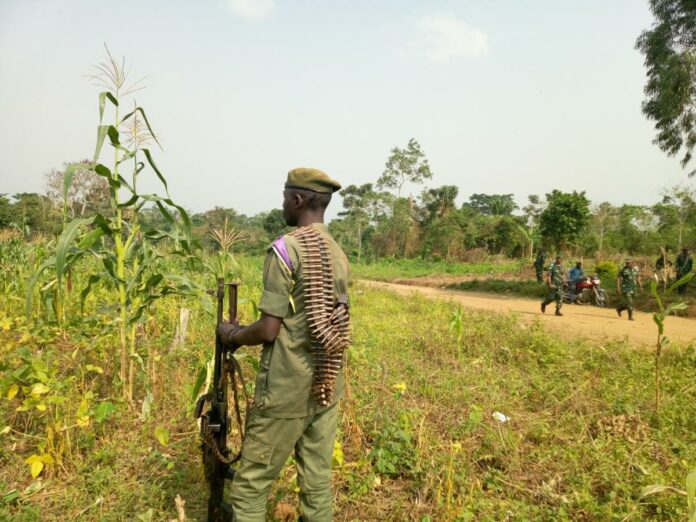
[[660, 317], [225, 238], [128, 254], [689, 493]]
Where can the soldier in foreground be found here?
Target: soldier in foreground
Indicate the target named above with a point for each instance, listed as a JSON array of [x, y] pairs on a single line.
[[304, 332], [539, 265], [684, 265], [554, 280], [626, 282]]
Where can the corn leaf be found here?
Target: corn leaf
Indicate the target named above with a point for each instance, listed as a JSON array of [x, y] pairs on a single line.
[[102, 102], [65, 242]]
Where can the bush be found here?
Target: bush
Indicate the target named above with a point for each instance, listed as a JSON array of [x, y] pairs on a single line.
[[607, 270]]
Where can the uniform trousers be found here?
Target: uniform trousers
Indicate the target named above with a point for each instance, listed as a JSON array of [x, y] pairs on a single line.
[[268, 444]]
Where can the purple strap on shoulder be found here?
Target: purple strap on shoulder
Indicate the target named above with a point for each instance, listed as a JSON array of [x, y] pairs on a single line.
[[281, 251]]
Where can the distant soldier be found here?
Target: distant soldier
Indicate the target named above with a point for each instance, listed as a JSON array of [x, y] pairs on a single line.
[[684, 265], [626, 282], [554, 280], [539, 265]]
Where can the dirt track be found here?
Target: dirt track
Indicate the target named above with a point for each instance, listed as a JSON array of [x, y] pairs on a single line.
[[595, 323]]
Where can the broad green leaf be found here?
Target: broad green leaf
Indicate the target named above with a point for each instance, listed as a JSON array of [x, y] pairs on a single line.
[[675, 307], [147, 516], [32, 283], [659, 488], [70, 171], [656, 294], [102, 102], [5, 430], [103, 411], [85, 291], [147, 406], [90, 238], [101, 135], [113, 134], [198, 383], [65, 242], [151, 161], [680, 282], [162, 435], [691, 490]]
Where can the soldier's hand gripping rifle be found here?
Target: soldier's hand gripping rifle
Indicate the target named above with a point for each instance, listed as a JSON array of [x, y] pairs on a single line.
[[215, 419]]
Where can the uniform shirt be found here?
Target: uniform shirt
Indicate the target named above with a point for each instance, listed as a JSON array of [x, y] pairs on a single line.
[[285, 373], [539, 261], [556, 271], [629, 278], [684, 264]]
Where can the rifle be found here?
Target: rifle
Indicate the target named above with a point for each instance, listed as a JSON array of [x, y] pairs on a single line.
[[215, 421]]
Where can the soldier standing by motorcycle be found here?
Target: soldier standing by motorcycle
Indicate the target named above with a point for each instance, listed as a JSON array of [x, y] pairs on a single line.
[[554, 280], [539, 265], [626, 282]]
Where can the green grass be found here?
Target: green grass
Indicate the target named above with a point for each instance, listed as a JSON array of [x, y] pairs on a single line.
[[417, 436], [526, 288], [390, 269]]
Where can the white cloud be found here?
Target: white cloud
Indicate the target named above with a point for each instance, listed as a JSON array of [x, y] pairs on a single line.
[[254, 9], [442, 38]]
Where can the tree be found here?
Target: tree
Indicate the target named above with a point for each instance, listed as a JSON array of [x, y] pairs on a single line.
[[409, 164], [677, 211], [438, 202], [274, 223], [33, 211], [493, 204], [88, 193], [564, 218], [670, 58], [5, 211], [356, 202], [532, 213], [603, 219]]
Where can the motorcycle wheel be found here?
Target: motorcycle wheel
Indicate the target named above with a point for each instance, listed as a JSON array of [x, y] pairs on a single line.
[[600, 299]]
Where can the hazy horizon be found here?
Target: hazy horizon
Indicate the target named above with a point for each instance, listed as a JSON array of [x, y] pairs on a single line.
[[503, 98]]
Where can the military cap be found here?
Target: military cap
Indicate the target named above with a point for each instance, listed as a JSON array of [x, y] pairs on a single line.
[[311, 179]]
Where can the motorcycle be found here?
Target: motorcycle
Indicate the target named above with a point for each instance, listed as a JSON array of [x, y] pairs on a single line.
[[588, 290]]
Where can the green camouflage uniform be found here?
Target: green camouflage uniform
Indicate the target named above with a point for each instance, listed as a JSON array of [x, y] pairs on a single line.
[[555, 294], [539, 266], [285, 417], [629, 283]]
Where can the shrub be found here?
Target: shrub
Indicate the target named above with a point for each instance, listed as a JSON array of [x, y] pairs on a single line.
[[607, 270]]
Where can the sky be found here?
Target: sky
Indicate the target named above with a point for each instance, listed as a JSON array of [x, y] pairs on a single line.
[[504, 97]]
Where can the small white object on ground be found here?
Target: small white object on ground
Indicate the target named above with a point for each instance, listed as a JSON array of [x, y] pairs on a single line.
[[500, 417]]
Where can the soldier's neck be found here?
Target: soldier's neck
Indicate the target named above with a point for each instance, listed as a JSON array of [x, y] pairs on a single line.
[[309, 218]]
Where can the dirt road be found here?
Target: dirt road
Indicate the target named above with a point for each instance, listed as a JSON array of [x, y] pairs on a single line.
[[577, 321]]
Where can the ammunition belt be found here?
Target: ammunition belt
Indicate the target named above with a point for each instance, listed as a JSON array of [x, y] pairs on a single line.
[[329, 320]]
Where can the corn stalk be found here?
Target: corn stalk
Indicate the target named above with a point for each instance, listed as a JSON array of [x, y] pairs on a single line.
[[660, 317], [126, 250]]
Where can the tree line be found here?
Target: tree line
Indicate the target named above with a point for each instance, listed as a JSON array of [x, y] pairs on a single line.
[[377, 220]]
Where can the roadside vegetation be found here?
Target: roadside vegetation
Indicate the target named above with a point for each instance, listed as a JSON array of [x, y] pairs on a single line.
[[485, 420]]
